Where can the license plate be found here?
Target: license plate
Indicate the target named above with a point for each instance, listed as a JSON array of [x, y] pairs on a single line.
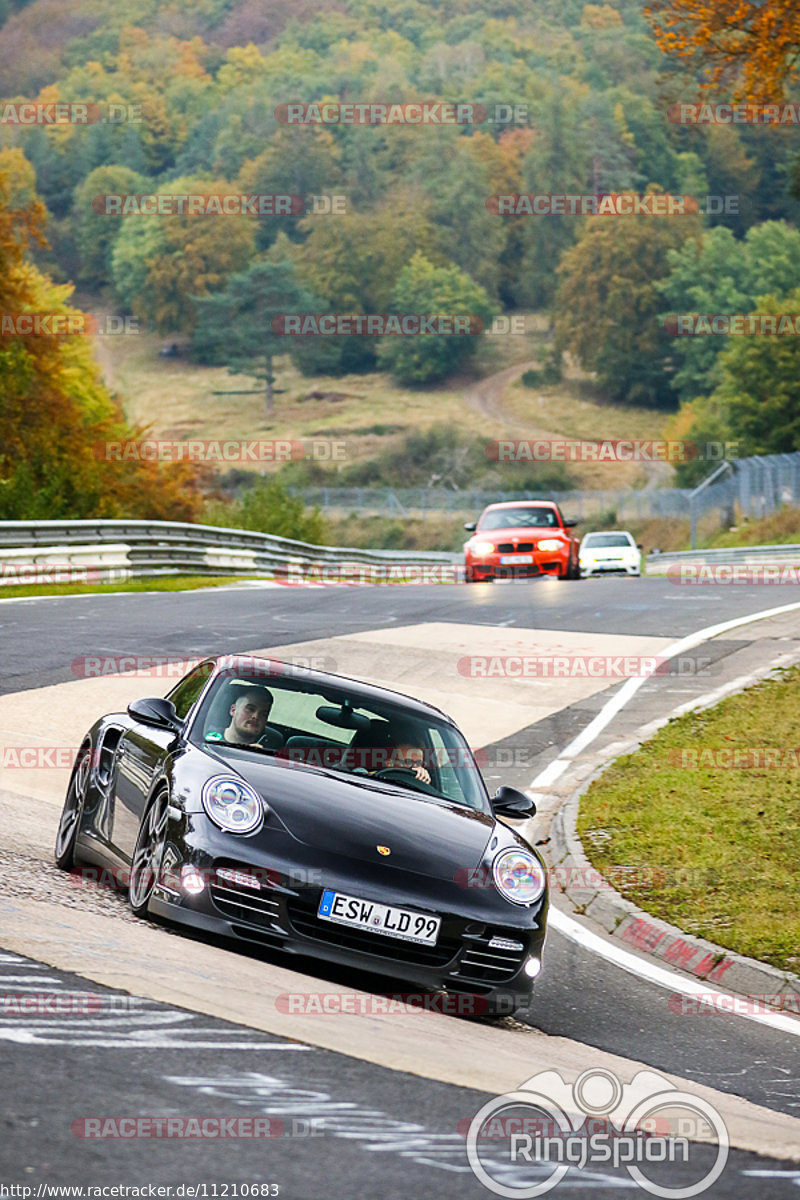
[[516, 558], [379, 918]]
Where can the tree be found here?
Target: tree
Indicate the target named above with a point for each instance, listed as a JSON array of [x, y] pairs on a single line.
[[235, 326], [267, 507], [717, 273], [94, 231], [160, 262], [353, 262], [55, 412], [423, 288], [759, 390], [748, 48], [608, 309]]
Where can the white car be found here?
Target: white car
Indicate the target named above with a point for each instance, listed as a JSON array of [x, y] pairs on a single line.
[[607, 552]]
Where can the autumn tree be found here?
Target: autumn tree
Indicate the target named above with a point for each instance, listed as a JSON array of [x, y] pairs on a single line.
[[56, 416], [608, 310], [160, 262], [745, 47]]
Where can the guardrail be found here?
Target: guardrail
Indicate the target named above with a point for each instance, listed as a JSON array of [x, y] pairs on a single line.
[[112, 551], [659, 564]]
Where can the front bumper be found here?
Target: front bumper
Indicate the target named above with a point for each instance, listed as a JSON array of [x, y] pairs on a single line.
[[282, 914], [610, 568], [492, 567]]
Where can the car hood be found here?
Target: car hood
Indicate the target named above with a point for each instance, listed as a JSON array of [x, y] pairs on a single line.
[[601, 552], [523, 535], [341, 815]]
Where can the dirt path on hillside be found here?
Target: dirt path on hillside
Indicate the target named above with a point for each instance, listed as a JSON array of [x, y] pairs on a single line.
[[486, 397]]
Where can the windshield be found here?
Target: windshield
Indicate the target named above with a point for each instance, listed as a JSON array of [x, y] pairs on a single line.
[[307, 725], [519, 518], [608, 539]]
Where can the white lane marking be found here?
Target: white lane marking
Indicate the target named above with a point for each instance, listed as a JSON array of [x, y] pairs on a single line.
[[660, 976], [631, 686], [31, 1038], [4, 979], [576, 932]]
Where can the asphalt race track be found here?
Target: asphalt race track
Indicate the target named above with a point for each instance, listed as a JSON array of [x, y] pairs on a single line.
[[380, 1130]]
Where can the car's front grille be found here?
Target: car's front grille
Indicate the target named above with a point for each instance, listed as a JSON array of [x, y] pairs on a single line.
[[304, 919], [244, 904], [482, 962], [520, 548]]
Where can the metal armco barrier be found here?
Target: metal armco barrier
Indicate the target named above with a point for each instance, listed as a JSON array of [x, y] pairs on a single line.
[[774, 556], [107, 551]]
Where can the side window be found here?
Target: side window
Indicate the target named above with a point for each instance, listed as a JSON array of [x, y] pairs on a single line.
[[184, 695]]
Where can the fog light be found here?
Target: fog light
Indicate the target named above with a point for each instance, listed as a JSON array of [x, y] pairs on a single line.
[[191, 880], [532, 967]]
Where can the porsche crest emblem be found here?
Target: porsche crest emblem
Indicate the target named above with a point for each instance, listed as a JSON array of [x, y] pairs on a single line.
[[383, 850]]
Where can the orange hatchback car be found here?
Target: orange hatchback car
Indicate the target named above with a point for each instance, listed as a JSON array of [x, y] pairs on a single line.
[[521, 537]]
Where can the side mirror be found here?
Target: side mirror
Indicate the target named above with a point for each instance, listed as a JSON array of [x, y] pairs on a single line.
[[570, 524], [157, 712], [639, 546], [469, 526], [508, 802]]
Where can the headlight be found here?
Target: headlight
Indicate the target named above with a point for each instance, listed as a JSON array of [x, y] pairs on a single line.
[[232, 804], [482, 547], [551, 544], [519, 876]]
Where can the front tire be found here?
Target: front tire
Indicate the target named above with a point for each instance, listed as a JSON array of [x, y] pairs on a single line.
[[146, 862], [71, 813]]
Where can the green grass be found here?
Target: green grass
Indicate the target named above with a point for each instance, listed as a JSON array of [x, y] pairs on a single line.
[[718, 847], [175, 583]]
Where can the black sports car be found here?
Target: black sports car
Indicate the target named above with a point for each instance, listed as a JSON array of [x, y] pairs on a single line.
[[318, 815]]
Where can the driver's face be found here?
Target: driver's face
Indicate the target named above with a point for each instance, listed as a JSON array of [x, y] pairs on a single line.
[[248, 718], [409, 756]]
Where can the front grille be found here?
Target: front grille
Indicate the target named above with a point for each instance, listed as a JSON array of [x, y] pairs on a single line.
[[245, 904], [520, 548], [484, 964], [304, 919]]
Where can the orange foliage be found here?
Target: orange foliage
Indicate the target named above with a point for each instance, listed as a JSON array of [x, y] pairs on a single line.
[[55, 412], [748, 49]]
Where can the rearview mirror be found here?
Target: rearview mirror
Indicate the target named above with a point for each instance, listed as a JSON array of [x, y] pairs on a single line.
[[570, 524], [155, 711], [343, 717], [469, 526], [509, 802]]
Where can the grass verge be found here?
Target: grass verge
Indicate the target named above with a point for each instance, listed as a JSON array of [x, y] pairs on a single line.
[[712, 849], [175, 583]]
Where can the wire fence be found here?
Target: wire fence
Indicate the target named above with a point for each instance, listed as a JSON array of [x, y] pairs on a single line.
[[745, 487]]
